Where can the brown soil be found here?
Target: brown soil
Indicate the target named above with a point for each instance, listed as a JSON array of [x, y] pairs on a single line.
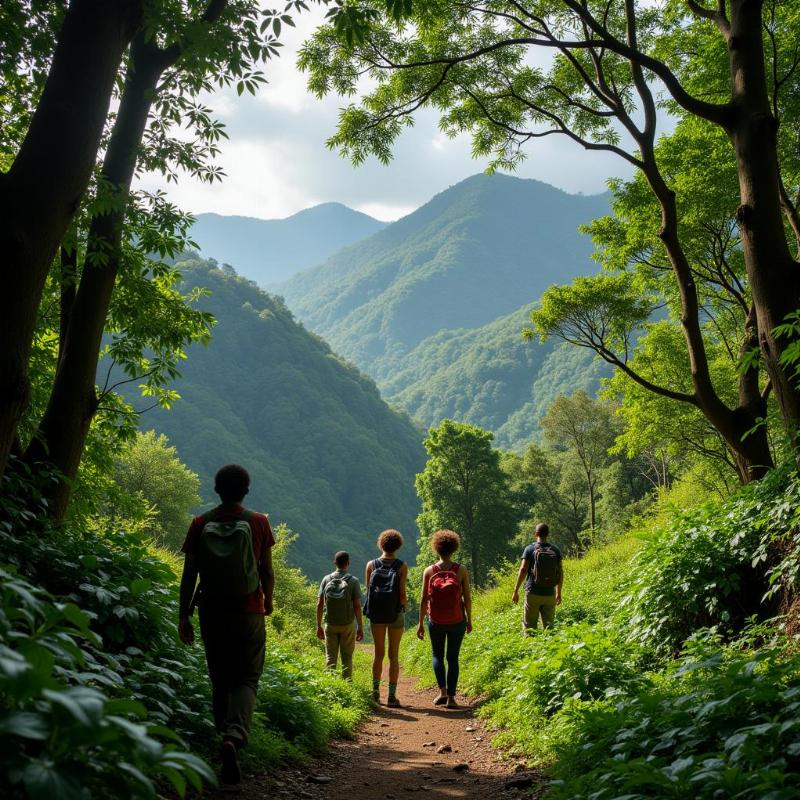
[[396, 752]]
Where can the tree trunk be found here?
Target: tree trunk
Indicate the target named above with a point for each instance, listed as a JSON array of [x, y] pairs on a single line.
[[68, 290], [739, 427], [773, 274], [72, 404], [42, 190]]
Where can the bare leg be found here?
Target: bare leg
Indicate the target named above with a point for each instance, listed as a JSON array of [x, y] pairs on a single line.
[[379, 638], [395, 635]]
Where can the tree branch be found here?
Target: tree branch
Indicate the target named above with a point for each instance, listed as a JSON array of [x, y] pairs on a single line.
[[716, 15], [719, 113]]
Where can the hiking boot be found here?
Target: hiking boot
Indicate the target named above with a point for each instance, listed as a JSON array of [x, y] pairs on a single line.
[[230, 773], [376, 696], [440, 700], [392, 702], [451, 702]]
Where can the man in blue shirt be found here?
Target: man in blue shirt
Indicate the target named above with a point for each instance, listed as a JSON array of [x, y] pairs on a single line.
[[542, 572]]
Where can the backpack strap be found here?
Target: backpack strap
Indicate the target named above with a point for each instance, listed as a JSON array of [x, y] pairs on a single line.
[[245, 514]]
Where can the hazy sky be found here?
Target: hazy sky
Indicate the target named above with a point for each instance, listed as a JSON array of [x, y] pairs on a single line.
[[277, 163]]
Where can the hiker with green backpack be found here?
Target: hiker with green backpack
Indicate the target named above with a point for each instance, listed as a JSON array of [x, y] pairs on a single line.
[[339, 598], [229, 548], [542, 571]]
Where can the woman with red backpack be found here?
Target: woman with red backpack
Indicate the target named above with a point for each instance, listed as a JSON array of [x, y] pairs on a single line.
[[447, 602]]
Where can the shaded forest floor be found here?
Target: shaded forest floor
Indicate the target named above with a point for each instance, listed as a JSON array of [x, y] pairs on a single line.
[[419, 748]]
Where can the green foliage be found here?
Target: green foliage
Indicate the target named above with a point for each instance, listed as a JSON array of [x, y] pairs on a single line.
[[325, 453], [149, 469], [61, 734], [716, 563], [462, 488], [90, 661], [790, 330], [95, 688], [585, 494], [719, 723]]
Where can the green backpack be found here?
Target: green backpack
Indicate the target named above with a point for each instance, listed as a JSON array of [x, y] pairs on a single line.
[[225, 557], [338, 600]]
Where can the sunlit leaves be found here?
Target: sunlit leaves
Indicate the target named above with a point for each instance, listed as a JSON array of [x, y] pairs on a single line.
[[603, 312]]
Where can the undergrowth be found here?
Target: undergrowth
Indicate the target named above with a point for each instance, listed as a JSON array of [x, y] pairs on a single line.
[[666, 674], [97, 694]]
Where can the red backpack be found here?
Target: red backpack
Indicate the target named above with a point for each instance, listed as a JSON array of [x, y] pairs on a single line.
[[444, 596]]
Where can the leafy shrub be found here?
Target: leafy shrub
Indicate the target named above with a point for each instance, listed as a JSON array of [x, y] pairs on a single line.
[[714, 564], [720, 723], [61, 736], [110, 603]]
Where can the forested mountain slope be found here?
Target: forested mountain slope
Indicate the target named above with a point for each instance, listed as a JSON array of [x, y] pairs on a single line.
[[430, 306], [326, 455], [271, 250], [475, 252], [491, 377]]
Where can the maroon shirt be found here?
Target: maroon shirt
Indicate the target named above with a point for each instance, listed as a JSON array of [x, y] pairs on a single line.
[[263, 539]]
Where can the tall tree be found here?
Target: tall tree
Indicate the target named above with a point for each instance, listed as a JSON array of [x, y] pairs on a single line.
[[49, 173], [613, 313], [610, 60], [222, 41], [585, 428], [463, 488], [150, 468]]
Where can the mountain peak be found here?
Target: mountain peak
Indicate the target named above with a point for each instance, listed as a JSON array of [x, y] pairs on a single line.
[[269, 251]]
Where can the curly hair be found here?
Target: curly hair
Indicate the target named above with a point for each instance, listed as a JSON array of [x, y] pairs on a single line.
[[390, 541], [445, 543]]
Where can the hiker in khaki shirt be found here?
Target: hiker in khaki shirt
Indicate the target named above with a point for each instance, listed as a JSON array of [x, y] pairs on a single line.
[[340, 599]]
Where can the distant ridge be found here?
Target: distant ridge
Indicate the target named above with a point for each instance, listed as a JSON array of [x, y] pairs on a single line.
[[432, 306], [325, 453], [475, 252], [269, 251]]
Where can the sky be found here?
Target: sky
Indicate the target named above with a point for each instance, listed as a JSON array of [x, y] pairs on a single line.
[[276, 161]]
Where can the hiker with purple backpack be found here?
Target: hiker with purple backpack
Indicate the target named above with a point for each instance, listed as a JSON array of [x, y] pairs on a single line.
[[542, 571]]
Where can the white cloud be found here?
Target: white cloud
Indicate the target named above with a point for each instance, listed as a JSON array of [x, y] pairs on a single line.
[[277, 162], [385, 211]]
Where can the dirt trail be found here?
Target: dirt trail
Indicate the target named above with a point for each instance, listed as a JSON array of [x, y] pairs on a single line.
[[397, 752]]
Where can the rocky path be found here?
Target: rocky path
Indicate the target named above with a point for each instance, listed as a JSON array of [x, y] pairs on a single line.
[[419, 748]]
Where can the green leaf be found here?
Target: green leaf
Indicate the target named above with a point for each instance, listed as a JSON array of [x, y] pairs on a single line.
[[26, 725], [43, 781]]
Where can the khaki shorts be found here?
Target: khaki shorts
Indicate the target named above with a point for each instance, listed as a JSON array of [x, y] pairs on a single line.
[[399, 622]]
